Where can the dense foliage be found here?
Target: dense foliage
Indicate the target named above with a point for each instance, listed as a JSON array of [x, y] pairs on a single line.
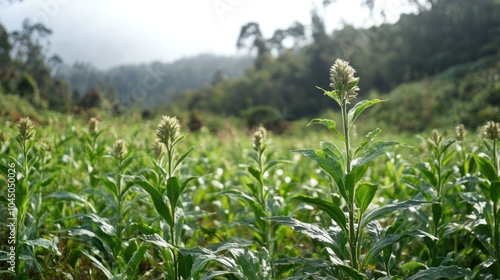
[[106, 200]]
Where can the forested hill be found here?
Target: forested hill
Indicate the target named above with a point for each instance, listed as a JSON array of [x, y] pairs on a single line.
[[156, 82], [417, 47]]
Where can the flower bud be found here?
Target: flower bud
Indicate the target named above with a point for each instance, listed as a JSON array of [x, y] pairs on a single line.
[[343, 81], [491, 130], [436, 137], [259, 137], [168, 131], [460, 132], [93, 126], [119, 148], [26, 130]]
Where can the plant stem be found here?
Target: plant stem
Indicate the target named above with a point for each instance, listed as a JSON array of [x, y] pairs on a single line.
[[120, 199], [496, 234], [494, 157], [352, 230]]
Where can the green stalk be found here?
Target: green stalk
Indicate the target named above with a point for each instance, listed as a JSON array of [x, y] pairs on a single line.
[[352, 231], [268, 235], [494, 156], [496, 234], [120, 197], [21, 212]]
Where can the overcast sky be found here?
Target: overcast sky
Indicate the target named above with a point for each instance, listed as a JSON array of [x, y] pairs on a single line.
[[108, 33]]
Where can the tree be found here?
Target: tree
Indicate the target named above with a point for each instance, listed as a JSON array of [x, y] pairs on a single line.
[[252, 31]]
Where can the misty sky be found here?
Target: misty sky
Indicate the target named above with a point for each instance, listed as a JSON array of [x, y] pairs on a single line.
[[108, 33]]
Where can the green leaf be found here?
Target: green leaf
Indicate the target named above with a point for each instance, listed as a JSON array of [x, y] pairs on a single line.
[[157, 198], [447, 272], [487, 168], [364, 196], [185, 182], [156, 240], [412, 267], [98, 264], [390, 208], [255, 173], [355, 111], [429, 175], [136, 259], [313, 231], [333, 211], [368, 138], [330, 124], [183, 156], [437, 213], [248, 261], [374, 151], [44, 243], [173, 191], [351, 272], [332, 94], [331, 165], [69, 196], [274, 162], [253, 203], [104, 226], [389, 240], [495, 191], [350, 183], [110, 185]]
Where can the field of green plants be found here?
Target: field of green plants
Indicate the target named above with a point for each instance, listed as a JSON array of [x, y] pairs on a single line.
[[127, 199]]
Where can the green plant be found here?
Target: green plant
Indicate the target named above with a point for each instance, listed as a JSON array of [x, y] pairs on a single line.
[[31, 169], [263, 200], [349, 210], [489, 182], [166, 190]]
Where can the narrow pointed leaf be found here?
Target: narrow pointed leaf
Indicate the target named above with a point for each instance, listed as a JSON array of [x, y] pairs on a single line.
[[157, 198], [331, 93], [255, 173], [364, 196], [374, 151], [173, 191], [310, 230], [330, 124], [495, 191], [389, 240], [69, 196], [368, 138], [351, 272], [329, 164], [487, 168], [355, 111], [98, 264], [390, 208], [156, 240], [182, 157], [429, 175], [442, 272], [333, 211], [185, 182]]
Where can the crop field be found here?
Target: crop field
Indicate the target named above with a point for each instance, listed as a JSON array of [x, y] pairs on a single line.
[[128, 199]]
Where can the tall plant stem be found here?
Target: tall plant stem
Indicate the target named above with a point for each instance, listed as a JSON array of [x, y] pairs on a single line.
[[119, 226], [352, 229], [268, 235]]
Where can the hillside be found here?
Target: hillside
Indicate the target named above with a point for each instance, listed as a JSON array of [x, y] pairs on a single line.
[[156, 82]]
